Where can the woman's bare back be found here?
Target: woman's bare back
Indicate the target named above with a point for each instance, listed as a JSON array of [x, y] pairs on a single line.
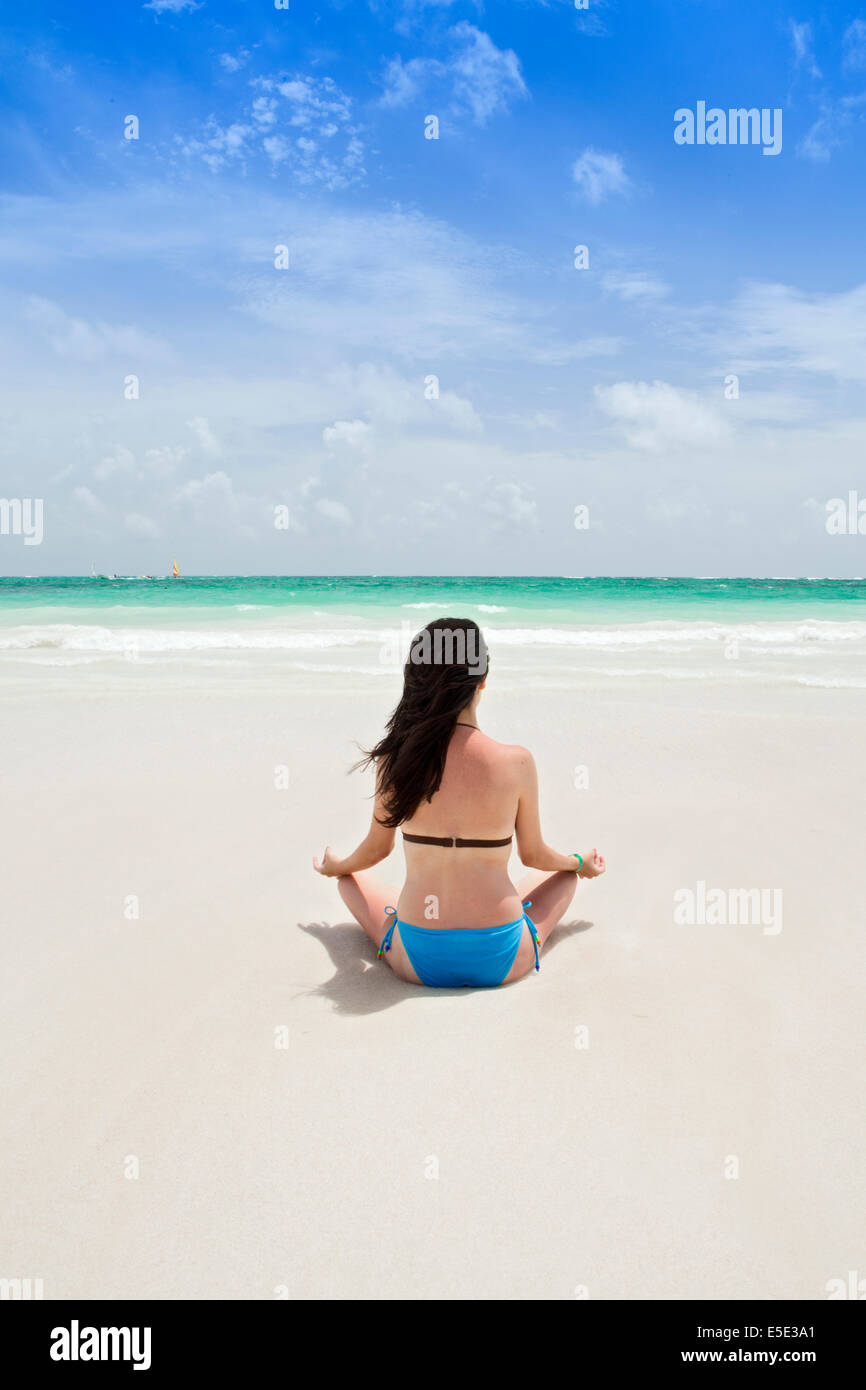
[[477, 799]]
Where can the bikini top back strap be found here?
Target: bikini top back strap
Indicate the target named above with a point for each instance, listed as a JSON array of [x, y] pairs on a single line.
[[482, 844], [453, 841]]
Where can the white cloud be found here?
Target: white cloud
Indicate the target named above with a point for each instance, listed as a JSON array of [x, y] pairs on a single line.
[[560, 353], [599, 175], [334, 511], [204, 434], [511, 504], [801, 38], [535, 421], [353, 434], [365, 282], [403, 82], [829, 130], [140, 525], [302, 121], [172, 6], [634, 285], [233, 62], [589, 20], [478, 79], [854, 42], [89, 341], [165, 459], [820, 138], [458, 413], [278, 148], [657, 416], [777, 326], [310, 100], [219, 144], [362, 285], [264, 110], [674, 509], [361, 281], [122, 462], [396, 406], [486, 78], [212, 486], [85, 497]]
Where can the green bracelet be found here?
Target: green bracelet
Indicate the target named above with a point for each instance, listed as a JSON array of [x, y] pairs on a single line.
[[579, 858]]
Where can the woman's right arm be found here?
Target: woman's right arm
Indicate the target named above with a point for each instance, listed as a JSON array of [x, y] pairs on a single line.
[[533, 851], [376, 846]]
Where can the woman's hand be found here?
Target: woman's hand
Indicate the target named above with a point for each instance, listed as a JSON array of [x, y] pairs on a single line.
[[329, 865], [593, 865]]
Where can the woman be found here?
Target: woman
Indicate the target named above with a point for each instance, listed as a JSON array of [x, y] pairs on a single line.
[[457, 796]]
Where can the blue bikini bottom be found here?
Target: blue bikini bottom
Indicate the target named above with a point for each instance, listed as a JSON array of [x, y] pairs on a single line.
[[471, 956]]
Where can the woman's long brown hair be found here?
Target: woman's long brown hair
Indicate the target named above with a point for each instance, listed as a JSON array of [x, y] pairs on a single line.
[[447, 662]]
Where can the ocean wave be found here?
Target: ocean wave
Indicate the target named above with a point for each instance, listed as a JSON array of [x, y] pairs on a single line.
[[654, 672], [466, 603], [643, 635], [830, 682], [68, 637], [786, 638]]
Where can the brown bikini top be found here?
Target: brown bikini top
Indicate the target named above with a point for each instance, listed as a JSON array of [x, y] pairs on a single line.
[[450, 841]]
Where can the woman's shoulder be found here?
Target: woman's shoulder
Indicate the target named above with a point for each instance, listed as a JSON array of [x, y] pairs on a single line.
[[514, 754]]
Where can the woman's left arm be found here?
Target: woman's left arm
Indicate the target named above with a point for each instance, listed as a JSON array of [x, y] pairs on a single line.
[[375, 846]]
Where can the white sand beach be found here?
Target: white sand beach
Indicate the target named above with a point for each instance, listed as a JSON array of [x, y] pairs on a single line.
[[321, 323], [574, 1135]]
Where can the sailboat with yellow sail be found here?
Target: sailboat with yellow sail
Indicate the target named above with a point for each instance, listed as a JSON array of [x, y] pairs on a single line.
[[175, 572]]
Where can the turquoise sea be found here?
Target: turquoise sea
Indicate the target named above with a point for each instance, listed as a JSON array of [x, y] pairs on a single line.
[[810, 630], [568, 599]]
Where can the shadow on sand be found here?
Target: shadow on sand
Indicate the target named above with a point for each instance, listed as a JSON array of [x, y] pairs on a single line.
[[361, 984]]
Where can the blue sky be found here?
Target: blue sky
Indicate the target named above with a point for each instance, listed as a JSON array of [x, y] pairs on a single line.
[[308, 387]]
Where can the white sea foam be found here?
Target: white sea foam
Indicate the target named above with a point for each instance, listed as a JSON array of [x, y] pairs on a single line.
[[440, 604], [666, 672], [69, 637], [688, 634], [830, 682], [785, 638]]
